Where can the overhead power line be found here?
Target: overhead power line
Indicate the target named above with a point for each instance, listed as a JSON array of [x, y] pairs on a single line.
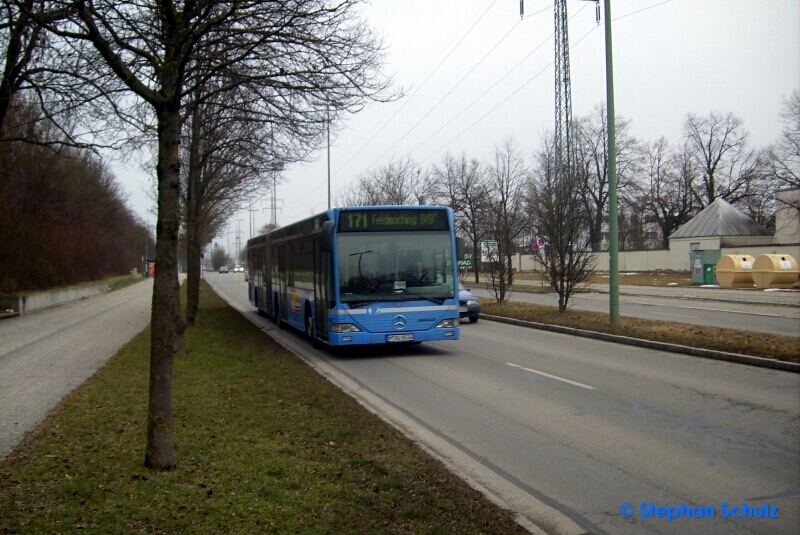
[[406, 101], [490, 111], [446, 95]]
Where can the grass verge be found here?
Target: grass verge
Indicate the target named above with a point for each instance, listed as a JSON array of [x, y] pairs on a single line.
[[771, 346], [264, 445]]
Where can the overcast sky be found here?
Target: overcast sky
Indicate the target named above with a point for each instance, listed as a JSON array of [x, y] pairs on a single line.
[[475, 74]]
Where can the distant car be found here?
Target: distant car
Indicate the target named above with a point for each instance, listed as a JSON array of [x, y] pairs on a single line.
[[223, 269], [238, 269], [469, 306]]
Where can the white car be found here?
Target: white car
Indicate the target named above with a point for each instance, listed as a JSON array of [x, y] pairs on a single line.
[[238, 269]]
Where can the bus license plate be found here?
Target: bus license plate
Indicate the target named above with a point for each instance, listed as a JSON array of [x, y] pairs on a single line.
[[400, 338]]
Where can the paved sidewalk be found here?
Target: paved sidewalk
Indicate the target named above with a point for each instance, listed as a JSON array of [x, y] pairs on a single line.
[[47, 354], [754, 296]]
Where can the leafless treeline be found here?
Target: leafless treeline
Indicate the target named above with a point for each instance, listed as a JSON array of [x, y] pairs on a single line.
[[63, 218], [661, 185], [222, 93]]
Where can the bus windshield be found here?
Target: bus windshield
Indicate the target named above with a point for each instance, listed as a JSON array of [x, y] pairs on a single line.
[[395, 266]]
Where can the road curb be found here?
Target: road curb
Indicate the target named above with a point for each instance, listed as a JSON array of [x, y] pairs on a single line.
[[649, 344]]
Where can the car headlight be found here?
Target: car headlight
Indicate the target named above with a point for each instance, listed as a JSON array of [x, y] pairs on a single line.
[[448, 324], [472, 302], [345, 328]]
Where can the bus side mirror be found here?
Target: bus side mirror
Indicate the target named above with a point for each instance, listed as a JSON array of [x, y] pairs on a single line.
[[327, 236], [460, 248]]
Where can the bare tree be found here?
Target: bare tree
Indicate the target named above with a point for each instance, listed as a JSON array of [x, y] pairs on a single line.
[[591, 154], [461, 184], [39, 70], [303, 50], [20, 41], [396, 182], [759, 201], [232, 147], [559, 214], [632, 220], [783, 157], [669, 200], [496, 269], [719, 149], [507, 217]]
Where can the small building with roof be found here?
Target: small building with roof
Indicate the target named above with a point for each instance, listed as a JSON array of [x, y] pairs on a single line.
[[720, 225]]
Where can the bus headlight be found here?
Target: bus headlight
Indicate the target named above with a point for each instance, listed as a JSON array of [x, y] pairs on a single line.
[[344, 328], [448, 324]]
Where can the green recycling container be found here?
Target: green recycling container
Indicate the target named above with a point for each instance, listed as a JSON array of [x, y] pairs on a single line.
[[708, 274]]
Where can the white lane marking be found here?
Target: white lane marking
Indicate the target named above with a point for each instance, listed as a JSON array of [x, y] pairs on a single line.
[[676, 315], [557, 378]]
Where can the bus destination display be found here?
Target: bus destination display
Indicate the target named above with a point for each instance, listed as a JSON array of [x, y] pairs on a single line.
[[378, 220]]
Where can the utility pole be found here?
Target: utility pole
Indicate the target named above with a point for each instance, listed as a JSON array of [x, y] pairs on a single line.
[[613, 239], [563, 136], [563, 133], [613, 223], [251, 218], [274, 203], [274, 219], [238, 240]]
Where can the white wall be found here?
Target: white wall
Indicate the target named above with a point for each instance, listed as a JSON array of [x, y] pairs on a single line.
[[675, 259]]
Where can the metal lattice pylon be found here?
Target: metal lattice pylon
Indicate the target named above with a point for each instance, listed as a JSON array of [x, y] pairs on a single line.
[[563, 135]]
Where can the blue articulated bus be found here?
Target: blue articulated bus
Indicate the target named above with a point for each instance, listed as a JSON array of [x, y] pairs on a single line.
[[361, 275]]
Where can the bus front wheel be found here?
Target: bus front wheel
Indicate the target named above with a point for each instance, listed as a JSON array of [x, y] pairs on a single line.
[[315, 342]]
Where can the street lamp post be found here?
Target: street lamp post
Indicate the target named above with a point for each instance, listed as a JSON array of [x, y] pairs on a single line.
[[328, 133], [328, 115]]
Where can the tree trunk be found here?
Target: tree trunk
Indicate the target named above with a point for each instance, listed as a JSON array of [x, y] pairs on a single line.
[[476, 260], [597, 231], [510, 267], [192, 238], [166, 323]]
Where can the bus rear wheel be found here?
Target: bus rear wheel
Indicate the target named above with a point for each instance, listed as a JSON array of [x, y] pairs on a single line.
[[258, 306], [278, 318], [309, 325]]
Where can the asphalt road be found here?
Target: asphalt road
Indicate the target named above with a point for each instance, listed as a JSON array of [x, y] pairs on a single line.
[[563, 430], [47, 354], [757, 317], [567, 430]]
